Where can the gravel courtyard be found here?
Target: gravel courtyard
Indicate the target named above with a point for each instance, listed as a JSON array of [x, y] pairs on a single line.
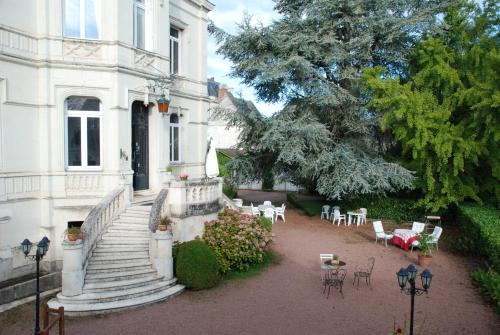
[[287, 298]]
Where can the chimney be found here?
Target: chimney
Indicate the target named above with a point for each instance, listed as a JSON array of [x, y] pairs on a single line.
[[222, 92]]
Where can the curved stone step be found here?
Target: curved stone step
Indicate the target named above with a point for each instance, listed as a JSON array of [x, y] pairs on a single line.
[[128, 227], [86, 309], [118, 267], [108, 251], [120, 243], [119, 284], [118, 275], [115, 295], [117, 258]]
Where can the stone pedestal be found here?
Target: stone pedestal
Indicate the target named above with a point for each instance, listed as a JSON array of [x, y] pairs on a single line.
[[163, 261], [72, 272]]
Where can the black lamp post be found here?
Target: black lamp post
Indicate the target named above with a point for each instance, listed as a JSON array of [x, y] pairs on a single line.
[[408, 275], [41, 250]]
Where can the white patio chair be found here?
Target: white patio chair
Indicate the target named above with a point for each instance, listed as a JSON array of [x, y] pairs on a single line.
[[336, 216], [362, 219], [418, 227], [267, 203], [325, 211], [436, 234], [324, 271], [255, 210], [380, 233], [269, 213], [280, 211]]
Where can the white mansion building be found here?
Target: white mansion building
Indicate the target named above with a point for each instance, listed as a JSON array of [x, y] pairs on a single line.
[[81, 132]]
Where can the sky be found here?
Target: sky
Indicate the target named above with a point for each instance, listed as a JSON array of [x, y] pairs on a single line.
[[226, 15]]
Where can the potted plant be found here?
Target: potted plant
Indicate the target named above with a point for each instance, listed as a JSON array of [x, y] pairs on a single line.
[[164, 223], [73, 233], [335, 259], [424, 255], [183, 176], [168, 169]]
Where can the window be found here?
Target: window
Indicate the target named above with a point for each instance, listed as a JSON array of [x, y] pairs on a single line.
[[83, 133], [174, 139], [139, 24], [82, 18], [174, 50]]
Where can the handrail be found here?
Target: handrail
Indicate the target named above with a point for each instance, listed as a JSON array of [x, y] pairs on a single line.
[[157, 209], [230, 203], [99, 217]]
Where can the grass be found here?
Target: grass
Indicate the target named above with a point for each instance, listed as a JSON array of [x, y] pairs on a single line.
[[270, 258]]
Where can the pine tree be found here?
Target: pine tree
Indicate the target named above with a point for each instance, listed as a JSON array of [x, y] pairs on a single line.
[[311, 60]]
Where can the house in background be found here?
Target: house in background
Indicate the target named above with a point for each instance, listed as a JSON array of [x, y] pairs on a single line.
[[226, 138], [81, 131]]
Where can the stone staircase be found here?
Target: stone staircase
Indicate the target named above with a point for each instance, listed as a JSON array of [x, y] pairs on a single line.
[[119, 272]]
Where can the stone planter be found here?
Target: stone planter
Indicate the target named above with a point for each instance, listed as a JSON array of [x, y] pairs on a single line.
[[238, 202], [424, 261]]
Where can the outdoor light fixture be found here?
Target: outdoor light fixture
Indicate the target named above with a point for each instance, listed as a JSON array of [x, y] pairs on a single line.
[[41, 250], [163, 104], [408, 275]]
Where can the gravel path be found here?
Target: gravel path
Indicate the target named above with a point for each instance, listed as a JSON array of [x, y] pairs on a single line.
[[287, 298]]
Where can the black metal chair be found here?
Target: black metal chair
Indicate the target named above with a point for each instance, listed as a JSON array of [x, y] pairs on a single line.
[[336, 280], [365, 272]]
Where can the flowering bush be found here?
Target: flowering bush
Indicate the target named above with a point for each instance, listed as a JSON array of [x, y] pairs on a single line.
[[183, 176], [237, 240]]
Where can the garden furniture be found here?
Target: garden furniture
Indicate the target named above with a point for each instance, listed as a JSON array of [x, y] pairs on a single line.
[[325, 269], [280, 211], [356, 215], [418, 227], [364, 272], [325, 211], [269, 213], [380, 233], [432, 221], [336, 216], [255, 210], [267, 203], [363, 211], [404, 238], [262, 208], [336, 280], [436, 234]]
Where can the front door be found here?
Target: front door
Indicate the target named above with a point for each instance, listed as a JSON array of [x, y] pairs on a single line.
[[140, 157]]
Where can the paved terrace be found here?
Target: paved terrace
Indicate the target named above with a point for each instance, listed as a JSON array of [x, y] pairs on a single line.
[[287, 298]]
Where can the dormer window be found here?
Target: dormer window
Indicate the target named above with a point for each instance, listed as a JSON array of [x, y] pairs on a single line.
[[82, 19]]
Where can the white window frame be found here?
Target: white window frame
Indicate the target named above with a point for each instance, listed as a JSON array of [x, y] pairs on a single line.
[[82, 20], [171, 139], [142, 5], [83, 115], [178, 40]]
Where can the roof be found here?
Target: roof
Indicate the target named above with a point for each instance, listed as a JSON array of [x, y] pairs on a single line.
[[231, 153], [213, 88], [242, 105]]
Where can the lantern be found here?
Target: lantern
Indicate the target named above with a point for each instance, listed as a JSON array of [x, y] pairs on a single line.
[[402, 277], [163, 104], [26, 244], [412, 271], [426, 277]]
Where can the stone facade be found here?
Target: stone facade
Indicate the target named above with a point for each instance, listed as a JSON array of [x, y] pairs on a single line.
[[44, 69]]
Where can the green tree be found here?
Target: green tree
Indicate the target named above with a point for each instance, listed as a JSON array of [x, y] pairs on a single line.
[[446, 116], [311, 60]]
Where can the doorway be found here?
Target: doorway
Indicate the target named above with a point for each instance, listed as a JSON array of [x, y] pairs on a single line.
[[140, 146]]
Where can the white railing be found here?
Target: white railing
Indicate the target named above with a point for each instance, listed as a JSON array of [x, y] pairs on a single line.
[[99, 218], [158, 210], [194, 197]]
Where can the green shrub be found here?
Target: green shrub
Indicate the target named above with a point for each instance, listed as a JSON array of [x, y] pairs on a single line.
[[196, 265], [267, 180], [230, 190], [480, 236], [237, 240], [265, 223], [489, 284], [222, 160]]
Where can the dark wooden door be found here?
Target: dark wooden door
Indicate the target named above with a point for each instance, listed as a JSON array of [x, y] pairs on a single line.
[[140, 150]]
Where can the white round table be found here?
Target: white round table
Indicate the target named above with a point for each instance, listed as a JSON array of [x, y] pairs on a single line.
[[357, 215]]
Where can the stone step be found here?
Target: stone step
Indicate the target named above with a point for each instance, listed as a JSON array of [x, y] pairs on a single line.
[[119, 284], [117, 258], [139, 209], [127, 234], [96, 308], [114, 295], [119, 251], [118, 275], [123, 267], [132, 220], [120, 243], [136, 214], [128, 227], [124, 239]]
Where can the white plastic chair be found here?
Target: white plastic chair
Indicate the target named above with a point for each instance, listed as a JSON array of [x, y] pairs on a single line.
[[362, 219], [269, 213], [418, 227], [325, 211], [280, 211], [267, 203], [380, 233], [338, 217], [436, 234], [255, 210]]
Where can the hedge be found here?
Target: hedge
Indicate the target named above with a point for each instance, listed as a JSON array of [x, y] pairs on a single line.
[[196, 265], [480, 236], [230, 190], [388, 208]]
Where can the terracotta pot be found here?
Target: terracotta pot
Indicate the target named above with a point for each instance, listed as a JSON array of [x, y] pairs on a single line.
[[73, 237], [424, 261], [162, 227]]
